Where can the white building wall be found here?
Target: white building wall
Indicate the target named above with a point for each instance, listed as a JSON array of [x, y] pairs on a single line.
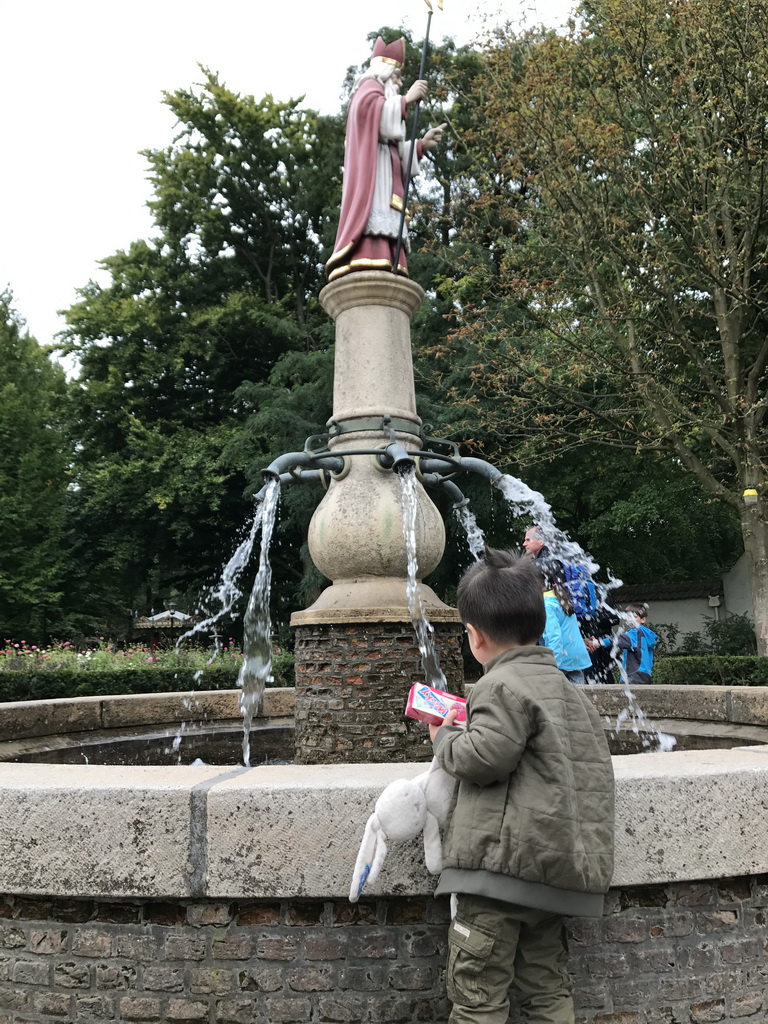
[[738, 596], [688, 614]]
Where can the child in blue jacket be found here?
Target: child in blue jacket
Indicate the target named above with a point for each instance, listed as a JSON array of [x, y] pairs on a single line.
[[638, 644], [562, 634]]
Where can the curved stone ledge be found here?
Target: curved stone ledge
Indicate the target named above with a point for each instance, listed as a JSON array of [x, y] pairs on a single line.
[[33, 718], [723, 705], [276, 831], [741, 705]]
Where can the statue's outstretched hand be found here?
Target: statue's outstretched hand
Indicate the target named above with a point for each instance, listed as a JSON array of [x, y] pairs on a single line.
[[433, 137], [417, 92]]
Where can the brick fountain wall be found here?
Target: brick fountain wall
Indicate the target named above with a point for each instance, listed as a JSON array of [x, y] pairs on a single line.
[[217, 893], [688, 953], [352, 682]]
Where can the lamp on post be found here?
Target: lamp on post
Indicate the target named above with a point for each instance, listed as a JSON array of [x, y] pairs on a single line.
[[171, 613]]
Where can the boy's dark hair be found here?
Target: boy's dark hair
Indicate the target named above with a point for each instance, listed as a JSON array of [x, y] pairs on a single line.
[[641, 610], [502, 596]]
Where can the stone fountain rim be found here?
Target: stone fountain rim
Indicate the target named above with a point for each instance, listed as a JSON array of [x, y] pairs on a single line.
[[736, 705], [208, 832], [200, 832]]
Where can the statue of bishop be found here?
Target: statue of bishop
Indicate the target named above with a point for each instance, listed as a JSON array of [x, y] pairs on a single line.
[[374, 166]]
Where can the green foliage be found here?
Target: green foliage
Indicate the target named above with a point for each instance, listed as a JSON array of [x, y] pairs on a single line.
[[55, 662], [618, 284], [612, 286], [214, 303], [34, 479], [114, 675], [692, 644], [283, 664], [732, 636], [711, 670], [640, 515], [31, 684], [668, 634]]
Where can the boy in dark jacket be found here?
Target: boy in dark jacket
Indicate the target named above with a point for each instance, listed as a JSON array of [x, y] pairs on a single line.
[[530, 838]]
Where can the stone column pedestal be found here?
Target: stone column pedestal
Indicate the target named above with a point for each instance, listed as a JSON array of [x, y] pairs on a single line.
[[349, 706], [352, 682]]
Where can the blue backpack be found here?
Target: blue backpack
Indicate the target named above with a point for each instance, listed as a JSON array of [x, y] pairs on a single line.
[[581, 590]]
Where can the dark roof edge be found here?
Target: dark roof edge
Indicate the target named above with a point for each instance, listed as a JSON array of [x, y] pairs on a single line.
[[668, 591]]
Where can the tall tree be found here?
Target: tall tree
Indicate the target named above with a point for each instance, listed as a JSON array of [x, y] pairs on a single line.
[[34, 477], [628, 305], [225, 289]]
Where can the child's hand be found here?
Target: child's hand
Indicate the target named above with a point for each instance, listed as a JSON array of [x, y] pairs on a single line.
[[449, 719]]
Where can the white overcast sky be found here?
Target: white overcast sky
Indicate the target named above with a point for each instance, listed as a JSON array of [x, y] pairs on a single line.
[[80, 95]]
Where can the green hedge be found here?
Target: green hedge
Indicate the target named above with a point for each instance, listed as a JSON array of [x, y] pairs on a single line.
[[46, 684], [711, 670]]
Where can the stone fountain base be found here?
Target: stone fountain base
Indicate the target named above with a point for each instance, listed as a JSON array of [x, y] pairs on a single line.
[[352, 682], [220, 895]]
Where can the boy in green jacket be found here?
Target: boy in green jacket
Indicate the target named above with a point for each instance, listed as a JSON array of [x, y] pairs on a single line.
[[530, 838]]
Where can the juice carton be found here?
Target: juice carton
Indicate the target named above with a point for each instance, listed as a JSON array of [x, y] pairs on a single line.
[[431, 706]]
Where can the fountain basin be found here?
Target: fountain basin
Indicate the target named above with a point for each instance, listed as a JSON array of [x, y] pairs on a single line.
[[141, 728], [698, 717], [214, 743], [215, 893], [208, 831]]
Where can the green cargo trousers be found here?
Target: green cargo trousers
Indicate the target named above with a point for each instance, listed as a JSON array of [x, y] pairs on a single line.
[[494, 945]]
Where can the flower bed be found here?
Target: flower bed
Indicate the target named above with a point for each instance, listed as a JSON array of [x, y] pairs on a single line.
[[61, 670]]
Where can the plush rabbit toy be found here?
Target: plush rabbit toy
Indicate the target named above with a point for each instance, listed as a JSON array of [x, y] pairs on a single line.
[[404, 809]]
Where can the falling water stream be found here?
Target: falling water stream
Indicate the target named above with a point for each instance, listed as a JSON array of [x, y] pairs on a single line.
[[526, 501], [227, 591], [433, 674], [257, 648], [256, 665], [475, 536], [225, 594]]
